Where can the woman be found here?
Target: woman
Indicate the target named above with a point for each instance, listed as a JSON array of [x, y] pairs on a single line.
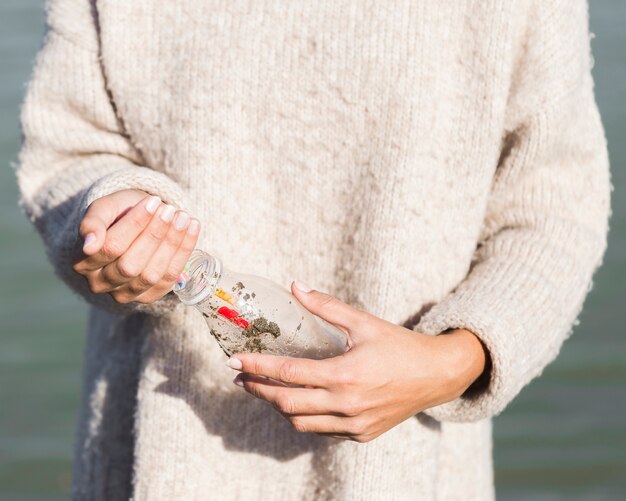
[[433, 167]]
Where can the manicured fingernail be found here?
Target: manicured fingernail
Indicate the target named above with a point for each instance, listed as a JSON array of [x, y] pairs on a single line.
[[153, 204], [234, 363], [89, 239], [302, 287], [238, 381], [194, 227], [181, 220], [168, 213]]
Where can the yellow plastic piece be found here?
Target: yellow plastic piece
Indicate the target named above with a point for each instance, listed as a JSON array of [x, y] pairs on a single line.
[[222, 294]]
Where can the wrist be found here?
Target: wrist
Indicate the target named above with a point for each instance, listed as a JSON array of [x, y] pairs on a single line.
[[469, 360]]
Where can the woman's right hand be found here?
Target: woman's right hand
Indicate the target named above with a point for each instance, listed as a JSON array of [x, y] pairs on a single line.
[[135, 246]]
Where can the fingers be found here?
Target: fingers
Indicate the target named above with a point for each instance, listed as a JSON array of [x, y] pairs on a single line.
[[110, 242], [132, 264], [174, 266], [345, 428], [101, 214], [163, 267], [161, 259], [327, 424], [299, 371], [184, 251], [288, 400], [331, 309]]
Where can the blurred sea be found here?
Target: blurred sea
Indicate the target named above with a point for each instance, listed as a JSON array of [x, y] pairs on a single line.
[[564, 437]]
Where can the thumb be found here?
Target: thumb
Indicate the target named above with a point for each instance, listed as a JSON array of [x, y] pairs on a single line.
[[330, 308], [94, 224]]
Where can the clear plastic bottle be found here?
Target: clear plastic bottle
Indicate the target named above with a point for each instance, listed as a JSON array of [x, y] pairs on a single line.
[[252, 313]]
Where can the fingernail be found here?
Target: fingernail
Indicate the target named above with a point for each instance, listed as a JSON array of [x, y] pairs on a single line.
[[238, 381], [152, 204], [89, 239], [302, 287], [234, 363], [194, 227], [181, 220], [168, 213]]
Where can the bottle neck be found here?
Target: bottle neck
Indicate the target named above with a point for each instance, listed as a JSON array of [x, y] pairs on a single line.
[[199, 278]]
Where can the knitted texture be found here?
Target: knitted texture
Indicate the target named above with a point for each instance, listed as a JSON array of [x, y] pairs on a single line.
[[438, 164]]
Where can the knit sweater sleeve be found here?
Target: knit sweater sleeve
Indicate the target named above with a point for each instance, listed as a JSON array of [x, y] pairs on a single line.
[[546, 221], [74, 148]]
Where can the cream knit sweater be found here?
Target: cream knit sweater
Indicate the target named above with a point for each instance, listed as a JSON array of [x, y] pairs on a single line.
[[439, 164]]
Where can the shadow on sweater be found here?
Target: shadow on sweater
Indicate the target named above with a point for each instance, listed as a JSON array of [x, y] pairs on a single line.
[[244, 423]]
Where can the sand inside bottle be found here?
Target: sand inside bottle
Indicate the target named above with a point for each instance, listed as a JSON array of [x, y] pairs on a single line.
[[258, 331]]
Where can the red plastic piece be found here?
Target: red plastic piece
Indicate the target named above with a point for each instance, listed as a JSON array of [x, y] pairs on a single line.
[[241, 322], [231, 314]]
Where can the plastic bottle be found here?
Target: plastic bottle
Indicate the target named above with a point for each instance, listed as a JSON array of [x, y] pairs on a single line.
[[252, 313]]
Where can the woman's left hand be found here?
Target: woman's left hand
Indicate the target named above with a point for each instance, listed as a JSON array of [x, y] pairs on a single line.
[[388, 374]]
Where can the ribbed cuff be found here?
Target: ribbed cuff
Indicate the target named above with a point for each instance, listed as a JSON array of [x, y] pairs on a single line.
[[140, 178], [502, 335]]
